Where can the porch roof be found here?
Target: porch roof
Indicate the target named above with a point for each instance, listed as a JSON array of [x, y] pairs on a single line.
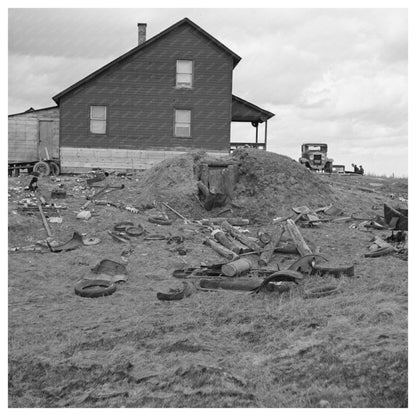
[[245, 111]]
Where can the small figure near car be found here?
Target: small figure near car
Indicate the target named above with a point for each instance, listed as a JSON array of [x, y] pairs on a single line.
[[359, 170]]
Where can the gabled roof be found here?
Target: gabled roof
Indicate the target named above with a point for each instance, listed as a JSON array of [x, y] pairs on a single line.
[[144, 45], [243, 110], [32, 110]]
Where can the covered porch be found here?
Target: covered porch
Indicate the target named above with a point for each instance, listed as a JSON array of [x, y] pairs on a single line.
[[246, 112]]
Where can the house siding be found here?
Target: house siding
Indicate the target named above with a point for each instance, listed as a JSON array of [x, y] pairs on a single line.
[[141, 96]]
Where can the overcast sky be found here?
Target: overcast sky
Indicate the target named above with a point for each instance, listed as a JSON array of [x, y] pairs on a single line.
[[330, 75]]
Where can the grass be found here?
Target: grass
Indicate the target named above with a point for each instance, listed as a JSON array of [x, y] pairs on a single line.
[[213, 349]]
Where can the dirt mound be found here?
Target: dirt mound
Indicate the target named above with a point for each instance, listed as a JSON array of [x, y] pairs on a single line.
[[172, 181], [271, 184]]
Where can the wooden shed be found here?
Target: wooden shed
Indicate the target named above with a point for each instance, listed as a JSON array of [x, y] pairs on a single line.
[[33, 136]]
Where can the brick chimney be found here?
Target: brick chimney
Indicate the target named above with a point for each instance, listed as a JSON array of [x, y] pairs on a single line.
[[141, 28]]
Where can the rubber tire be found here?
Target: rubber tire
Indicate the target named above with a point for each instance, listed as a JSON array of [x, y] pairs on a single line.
[[121, 226], [42, 168], [328, 168], [55, 169], [159, 221], [134, 231], [88, 288]]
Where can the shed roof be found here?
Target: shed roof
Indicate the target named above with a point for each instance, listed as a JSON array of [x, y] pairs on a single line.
[[32, 110], [144, 45], [243, 110]]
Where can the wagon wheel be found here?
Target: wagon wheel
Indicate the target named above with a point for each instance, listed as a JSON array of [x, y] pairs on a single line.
[[42, 168], [55, 169]]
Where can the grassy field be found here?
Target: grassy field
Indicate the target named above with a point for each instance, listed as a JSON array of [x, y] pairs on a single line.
[[213, 349]]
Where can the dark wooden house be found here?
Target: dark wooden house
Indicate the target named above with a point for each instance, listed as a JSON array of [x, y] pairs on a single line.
[[170, 94]]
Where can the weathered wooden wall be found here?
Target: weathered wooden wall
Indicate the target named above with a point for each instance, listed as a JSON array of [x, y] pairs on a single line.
[[80, 159], [23, 137]]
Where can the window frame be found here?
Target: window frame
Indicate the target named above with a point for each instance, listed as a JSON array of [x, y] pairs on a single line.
[[187, 87], [190, 123], [105, 119]]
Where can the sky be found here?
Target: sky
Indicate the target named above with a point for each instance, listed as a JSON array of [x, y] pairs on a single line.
[[338, 76]]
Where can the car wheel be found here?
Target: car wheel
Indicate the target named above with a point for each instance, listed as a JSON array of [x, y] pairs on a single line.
[[42, 168], [55, 169]]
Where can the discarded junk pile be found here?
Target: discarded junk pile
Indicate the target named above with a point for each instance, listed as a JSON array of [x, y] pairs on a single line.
[[247, 259]]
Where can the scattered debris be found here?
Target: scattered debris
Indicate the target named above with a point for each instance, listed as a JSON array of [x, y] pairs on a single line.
[[322, 291], [297, 238], [333, 270], [236, 267], [380, 252], [110, 270], [84, 215], [32, 247], [396, 218], [91, 241], [119, 237], [220, 249], [269, 249], [306, 263], [58, 193], [45, 223], [178, 294], [333, 211], [280, 276], [75, 242], [175, 212], [245, 285]]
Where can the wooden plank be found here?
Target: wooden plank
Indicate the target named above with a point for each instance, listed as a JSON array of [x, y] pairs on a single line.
[[225, 225], [269, 248], [225, 252], [112, 158], [297, 238]]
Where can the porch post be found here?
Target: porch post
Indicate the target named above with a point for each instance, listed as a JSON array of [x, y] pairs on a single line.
[[257, 133], [265, 136]]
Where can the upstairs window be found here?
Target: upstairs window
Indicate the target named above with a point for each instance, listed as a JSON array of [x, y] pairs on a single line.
[[184, 74], [182, 123], [98, 119]]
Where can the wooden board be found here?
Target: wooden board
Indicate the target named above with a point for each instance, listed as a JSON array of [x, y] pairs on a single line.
[[83, 159]]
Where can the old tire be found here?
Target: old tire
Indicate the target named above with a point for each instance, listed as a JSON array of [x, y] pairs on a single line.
[[159, 221], [94, 288], [121, 226], [55, 169], [42, 168], [135, 231]]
